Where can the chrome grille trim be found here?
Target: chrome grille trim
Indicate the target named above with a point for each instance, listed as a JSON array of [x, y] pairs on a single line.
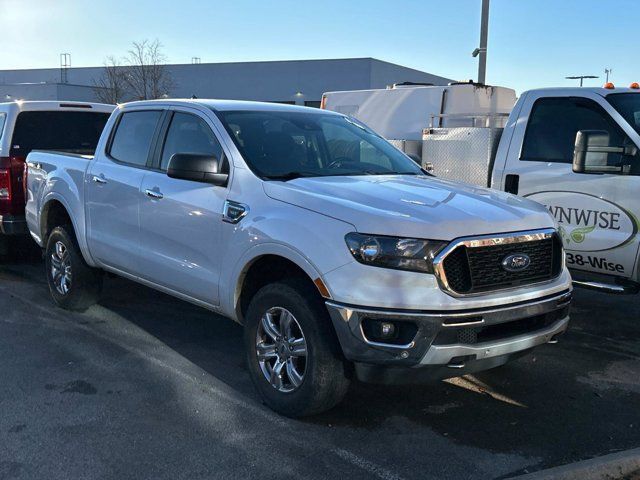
[[489, 241]]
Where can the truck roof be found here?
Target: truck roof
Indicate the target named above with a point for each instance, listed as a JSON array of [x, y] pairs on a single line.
[[28, 105], [225, 105], [580, 90]]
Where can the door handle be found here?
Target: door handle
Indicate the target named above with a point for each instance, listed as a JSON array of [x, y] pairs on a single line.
[[154, 194], [100, 180]]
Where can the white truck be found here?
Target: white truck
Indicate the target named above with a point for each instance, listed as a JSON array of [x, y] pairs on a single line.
[[338, 254], [575, 150]]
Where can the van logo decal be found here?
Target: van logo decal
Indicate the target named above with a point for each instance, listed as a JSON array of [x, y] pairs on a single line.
[[588, 223], [516, 262]]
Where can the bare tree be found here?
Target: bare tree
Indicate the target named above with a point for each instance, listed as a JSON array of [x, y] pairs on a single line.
[[111, 86], [146, 76]]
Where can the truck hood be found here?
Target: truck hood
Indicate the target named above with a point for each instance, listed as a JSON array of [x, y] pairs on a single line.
[[412, 206]]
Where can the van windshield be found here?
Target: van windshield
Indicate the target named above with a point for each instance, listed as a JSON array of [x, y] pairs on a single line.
[[627, 105], [285, 145]]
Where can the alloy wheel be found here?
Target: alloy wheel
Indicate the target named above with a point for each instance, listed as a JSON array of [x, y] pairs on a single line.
[[281, 349], [61, 274]]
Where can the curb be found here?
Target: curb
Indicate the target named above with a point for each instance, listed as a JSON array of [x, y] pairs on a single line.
[[607, 467]]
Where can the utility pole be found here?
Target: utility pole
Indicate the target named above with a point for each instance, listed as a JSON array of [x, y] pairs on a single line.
[[481, 51], [65, 65], [607, 72]]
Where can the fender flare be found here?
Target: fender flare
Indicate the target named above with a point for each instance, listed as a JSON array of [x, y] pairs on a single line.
[[248, 258], [80, 236]]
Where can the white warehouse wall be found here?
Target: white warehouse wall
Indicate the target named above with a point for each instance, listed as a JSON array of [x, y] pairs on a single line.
[[294, 80]]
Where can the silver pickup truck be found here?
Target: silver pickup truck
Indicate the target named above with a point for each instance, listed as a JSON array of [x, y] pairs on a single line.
[[338, 254]]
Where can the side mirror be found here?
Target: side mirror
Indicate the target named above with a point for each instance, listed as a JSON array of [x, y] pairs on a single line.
[[591, 153], [197, 168]]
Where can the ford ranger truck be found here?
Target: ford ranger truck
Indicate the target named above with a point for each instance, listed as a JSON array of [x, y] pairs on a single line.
[[26, 126], [338, 254]]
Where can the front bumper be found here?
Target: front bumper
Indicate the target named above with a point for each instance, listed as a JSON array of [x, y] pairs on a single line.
[[13, 225], [450, 343]]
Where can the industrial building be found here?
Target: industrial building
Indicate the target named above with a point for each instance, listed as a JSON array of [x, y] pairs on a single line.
[[294, 81]]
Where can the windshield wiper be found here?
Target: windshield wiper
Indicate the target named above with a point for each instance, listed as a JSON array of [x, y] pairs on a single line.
[[290, 176], [370, 172]]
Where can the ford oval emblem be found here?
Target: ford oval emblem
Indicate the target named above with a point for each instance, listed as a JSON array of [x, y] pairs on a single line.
[[516, 262]]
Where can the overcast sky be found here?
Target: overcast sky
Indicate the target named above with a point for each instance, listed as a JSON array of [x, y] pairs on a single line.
[[532, 43]]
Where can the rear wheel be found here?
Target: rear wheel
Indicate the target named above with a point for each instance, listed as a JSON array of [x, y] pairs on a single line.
[[73, 284], [293, 354]]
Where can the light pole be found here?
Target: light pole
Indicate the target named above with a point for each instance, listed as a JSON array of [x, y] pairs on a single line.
[[481, 51], [581, 77], [607, 72]]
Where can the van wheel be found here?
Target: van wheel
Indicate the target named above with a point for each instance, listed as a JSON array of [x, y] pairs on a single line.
[[293, 354], [73, 284]]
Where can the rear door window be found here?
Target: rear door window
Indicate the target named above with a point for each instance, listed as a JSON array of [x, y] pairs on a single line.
[[134, 135], [66, 131]]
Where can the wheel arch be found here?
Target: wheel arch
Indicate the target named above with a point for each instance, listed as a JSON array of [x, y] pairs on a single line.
[[268, 265], [56, 212]]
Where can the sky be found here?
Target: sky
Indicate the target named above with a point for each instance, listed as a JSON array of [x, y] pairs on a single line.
[[532, 43]]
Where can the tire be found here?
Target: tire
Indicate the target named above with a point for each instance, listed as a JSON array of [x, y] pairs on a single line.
[[73, 284], [324, 381]]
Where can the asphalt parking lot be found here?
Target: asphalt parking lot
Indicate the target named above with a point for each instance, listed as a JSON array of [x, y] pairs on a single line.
[[145, 386]]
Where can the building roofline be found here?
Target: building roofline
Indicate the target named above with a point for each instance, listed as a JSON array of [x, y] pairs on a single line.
[[303, 60], [307, 60], [29, 84]]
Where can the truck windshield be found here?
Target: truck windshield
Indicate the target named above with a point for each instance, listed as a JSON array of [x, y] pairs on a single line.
[[627, 105], [66, 131], [286, 145]]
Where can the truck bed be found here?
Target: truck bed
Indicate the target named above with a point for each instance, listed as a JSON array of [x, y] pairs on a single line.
[[45, 167]]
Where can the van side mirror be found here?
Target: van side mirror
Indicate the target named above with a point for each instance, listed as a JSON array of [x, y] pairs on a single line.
[[197, 168], [591, 153]]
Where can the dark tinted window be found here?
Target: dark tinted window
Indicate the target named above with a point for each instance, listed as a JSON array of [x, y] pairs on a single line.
[[628, 105], [554, 123], [189, 134], [133, 137], [68, 131]]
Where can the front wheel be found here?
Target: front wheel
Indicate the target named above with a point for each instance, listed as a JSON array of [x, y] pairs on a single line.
[[73, 284], [293, 354]]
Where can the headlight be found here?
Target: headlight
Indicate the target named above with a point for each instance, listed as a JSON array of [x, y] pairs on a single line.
[[391, 252]]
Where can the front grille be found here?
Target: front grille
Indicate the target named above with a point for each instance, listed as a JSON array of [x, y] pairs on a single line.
[[479, 269]]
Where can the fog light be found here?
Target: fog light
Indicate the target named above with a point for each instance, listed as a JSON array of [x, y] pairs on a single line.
[[387, 330], [379, 330]]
